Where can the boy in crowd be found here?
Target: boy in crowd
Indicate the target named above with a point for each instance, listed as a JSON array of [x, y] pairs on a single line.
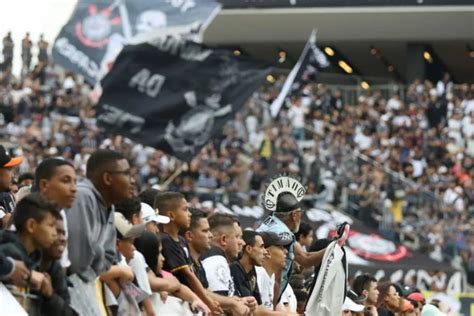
[[199, 238], [273, 265], [35, 221], [366, 285], [91, 226], [175, 251], [226, 246], [120, 277], [55, 179], [58, 303]]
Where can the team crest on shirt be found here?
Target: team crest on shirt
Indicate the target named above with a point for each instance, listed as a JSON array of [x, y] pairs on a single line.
[[281, 184]]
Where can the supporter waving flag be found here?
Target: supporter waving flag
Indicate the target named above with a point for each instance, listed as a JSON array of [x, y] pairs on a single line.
[[311, 59], [175, 94]]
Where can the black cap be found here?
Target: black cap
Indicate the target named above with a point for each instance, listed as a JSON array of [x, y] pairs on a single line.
[[273, 239], [287, 202], [6, 161]]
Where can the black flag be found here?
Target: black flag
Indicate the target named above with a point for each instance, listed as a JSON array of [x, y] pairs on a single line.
[[311, 59], [174, 94], [98, 29]]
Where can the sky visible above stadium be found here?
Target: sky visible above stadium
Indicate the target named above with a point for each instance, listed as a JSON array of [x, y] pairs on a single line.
[[36, 17]]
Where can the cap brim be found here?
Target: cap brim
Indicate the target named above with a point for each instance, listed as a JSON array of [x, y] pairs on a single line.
[[352, 306], [284, 242], [160, 219], [13, 162], [135, 232]]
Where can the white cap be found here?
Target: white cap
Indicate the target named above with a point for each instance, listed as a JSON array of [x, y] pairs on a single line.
[[149, 214], [127, 229], [352, 306]]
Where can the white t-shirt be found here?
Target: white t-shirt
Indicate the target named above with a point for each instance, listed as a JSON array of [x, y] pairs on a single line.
[[363, 141], [266, 286], [288, 299], [139, 267], [65, 263], [218, 272], [296, 115]]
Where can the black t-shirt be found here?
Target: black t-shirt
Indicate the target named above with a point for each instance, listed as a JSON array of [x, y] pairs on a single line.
[[245, 283], [176, 255], [200, 272]]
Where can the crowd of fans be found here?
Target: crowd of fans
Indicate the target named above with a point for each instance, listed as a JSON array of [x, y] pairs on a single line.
[[403, 166]]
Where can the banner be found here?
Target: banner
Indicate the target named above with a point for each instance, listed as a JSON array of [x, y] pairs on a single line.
[[176, 95], [98, 29], [310, 60]]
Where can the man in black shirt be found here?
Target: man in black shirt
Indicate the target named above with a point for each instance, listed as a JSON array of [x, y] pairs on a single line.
[[243, 270], [198, 237]]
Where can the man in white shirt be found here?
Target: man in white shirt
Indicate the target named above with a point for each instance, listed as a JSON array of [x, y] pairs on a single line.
[[272, 265], [296, 114], [226, 245]]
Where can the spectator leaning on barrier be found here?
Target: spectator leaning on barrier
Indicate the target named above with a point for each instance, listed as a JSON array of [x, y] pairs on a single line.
[[175, 251], [35, 220], [55, 179], [199, 238], [91, 225]]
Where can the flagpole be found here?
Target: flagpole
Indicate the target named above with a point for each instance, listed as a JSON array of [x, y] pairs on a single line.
[[127, 29], [278, 102]]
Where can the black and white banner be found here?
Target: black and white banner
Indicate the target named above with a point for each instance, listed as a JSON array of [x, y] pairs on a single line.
[[98, 29], [176, 95], [311, 59]]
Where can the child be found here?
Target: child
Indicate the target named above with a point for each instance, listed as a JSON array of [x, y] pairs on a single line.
[[58, 303], [35, 221], [120, 276], [149, 245], [175, 251]]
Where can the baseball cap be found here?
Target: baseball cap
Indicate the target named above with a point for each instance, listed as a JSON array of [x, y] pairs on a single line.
[[273, 239], [358, 299], [416, 296], [149, 214], [6, 161], [352, 306], [125, 229], [407, 306]]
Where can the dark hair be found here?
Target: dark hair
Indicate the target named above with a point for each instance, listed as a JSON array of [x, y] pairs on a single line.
[[166, 201], [297, 281], [304, 230], [319, 244], [362, 282], [129, 208], [249, 236], [148, 196], [46, 169], [100, 159], [384, 288], [196, 216], [220, 219], [149, 244], [301, 295], [33, 206], [26, 176]]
